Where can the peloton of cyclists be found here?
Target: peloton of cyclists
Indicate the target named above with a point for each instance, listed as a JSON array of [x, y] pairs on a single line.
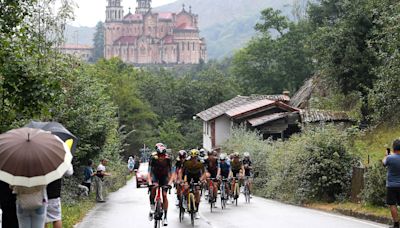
[[160, 174]]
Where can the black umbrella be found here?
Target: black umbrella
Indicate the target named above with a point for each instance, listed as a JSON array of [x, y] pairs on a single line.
[[56, 129]]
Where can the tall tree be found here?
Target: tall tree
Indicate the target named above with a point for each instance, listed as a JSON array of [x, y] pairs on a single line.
[[98, 41]]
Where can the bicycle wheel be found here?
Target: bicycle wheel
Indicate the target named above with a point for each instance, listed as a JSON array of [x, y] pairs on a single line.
[[181, 210], [192, 208]]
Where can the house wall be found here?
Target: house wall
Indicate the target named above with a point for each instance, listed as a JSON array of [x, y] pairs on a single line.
[[207, 136], [222, 130]]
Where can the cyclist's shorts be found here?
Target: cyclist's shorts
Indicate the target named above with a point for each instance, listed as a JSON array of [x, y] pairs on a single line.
[[247, 173], [163, 180], [213, 174], [235, 173], [195, 178]]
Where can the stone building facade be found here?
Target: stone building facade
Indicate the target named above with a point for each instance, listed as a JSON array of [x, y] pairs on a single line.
[[146, 37]]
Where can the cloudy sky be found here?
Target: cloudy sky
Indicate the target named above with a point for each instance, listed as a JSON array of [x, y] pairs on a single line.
[[89, 12]]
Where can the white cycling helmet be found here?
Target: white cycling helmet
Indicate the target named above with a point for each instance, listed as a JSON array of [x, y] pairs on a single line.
[[246, 154], [222, 157]]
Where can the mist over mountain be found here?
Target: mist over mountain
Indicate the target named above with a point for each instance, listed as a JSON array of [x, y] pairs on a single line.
[[226, 24]]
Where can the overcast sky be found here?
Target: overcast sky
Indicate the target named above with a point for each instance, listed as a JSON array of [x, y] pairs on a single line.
[[92, 11]]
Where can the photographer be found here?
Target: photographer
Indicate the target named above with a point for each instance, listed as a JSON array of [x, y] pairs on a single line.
[[392, 162]]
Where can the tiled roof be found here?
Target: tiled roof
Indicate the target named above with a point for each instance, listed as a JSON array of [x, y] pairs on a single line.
[[133, 17], [310, 116], [301, 98], [249, 107], [267, 118], [221, 109], [126, 40], [185, 26], [165, 16]]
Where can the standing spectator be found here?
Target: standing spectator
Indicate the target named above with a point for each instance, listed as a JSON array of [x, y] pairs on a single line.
[[88, 175], [99, 178], [31, 206], [7, 204], [392, 162], [131, 165], [54, 214]]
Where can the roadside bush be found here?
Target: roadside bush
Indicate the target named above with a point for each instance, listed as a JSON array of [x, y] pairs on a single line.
[[314, 165], [375, 181]]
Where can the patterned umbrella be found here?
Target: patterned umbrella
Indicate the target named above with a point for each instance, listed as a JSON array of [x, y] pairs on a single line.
[[57, 129], [32, 157]]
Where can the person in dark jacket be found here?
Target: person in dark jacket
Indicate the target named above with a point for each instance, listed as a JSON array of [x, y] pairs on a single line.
[[88, 175], [8, 206], [54, 204]]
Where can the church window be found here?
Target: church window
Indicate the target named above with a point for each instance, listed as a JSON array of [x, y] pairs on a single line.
[[193, 46]]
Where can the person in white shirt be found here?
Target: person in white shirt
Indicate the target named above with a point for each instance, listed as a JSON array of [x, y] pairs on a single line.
[[100, 174]]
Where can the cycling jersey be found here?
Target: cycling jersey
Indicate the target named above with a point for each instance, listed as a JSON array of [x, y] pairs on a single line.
[[193, 169], [212, 166], [225, 169], [247, 171], [236, 166], [160, 168]]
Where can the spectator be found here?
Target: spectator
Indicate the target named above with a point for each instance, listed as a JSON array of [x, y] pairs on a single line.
[[31, 206], [88, 175], [131, 165], [7, 204], [54, 214], [99, 178], [392, 162]]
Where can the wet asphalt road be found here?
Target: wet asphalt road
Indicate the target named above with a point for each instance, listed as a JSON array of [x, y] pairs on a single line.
[[129, 207]]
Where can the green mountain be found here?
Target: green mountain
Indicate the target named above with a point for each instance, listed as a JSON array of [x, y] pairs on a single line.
[[226, 24]]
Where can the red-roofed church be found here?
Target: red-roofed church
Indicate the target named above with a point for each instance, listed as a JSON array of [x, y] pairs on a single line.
[[147, 37]]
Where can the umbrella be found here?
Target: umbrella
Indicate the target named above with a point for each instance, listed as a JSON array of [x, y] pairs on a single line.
[[32, 157], [57, 129]]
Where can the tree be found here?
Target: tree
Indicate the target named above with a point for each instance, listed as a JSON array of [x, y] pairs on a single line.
[[98, 41], [268, 65], [170, 135], [340, 46]]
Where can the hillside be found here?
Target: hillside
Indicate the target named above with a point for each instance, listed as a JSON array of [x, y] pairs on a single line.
[[226, 24]]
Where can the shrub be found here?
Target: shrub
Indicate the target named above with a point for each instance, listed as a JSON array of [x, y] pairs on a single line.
[[375, 181], [314, 165]]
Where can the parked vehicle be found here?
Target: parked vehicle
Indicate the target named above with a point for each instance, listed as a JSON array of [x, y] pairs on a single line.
[[141, 174]]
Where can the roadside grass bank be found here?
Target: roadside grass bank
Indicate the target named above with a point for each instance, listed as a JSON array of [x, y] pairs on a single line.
[[75, 208], [357, 210]]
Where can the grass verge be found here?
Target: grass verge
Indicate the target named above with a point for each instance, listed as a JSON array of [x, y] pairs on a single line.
[[74, 213]]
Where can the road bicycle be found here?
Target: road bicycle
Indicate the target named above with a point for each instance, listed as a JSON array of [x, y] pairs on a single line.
[[236, 189], [246, 190], [224, 194], [211, 195], [159, 209], [191, 200]]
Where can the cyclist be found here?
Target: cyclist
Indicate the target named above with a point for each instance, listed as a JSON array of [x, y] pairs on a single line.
[[202, 155], [160, 175], [211, 164], [247, 165], [193, 170], [236, 167], [224, 170], [178, 167]]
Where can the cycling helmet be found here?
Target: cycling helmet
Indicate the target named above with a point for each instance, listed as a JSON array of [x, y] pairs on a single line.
[[161, 150], [202, 152], [182, 153], [158, 145], [222, 157], [236, 155], [210, 152], [246, 154], [194, 153]]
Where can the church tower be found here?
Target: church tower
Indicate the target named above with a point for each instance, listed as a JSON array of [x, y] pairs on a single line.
[[114, 11], [144, 6]]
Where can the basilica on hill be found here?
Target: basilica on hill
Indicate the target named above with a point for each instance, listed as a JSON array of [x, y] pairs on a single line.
[[147, 37]]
